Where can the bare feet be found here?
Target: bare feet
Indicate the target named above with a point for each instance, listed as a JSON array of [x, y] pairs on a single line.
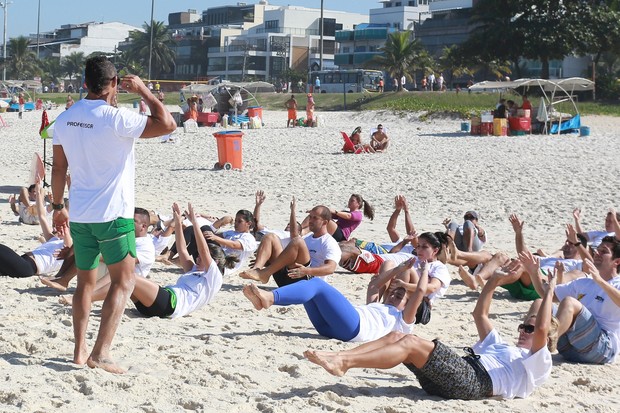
[[80, 356], [106, 364], [251, 274], [55, 283], [467, 278], [66, 300], [330, 362], [260, 299]]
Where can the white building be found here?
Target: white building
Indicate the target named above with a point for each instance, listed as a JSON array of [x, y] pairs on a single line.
[[93, 37], [289, 37]]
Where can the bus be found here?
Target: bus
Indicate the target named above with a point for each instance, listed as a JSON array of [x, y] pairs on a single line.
[[349, 80]]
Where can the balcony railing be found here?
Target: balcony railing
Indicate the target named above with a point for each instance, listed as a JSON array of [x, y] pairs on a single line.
[[326, 50], [289, 30]]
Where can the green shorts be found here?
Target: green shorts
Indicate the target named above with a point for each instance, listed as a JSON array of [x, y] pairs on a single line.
[[522, 292], [113, 240]]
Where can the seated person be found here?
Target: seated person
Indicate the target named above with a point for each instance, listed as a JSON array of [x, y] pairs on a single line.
[[314, 255], [46, 258], [345, 222], [333, 316], [511, 108], [379, 140], [588, 313], [261, 230], [594, 237], [526, 103], [145, 257], [25, 207], [400, 204], [470, 236], [361, 261], [356, 139], [500, 110], [491, 367], [391, 275]]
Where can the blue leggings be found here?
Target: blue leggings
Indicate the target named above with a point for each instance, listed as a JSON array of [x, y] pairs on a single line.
[[331, 314]]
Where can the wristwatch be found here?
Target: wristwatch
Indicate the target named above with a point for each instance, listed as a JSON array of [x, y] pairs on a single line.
[[57, 207]]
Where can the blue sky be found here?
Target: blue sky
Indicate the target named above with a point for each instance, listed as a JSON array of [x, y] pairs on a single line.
[[22, 14]]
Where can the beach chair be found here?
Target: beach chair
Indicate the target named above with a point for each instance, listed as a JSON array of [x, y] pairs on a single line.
[[348, 146]]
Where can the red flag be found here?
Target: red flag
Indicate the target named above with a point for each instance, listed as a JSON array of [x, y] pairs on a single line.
[[44, 121]]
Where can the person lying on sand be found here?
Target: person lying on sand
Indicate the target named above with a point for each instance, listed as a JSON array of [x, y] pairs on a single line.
[[491, 368], [333, 316], [192, 291]]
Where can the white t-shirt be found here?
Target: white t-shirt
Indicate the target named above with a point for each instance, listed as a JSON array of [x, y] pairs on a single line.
[[591, 295], [595, 237], [145, 252], [377, 320], [513, 370], [322, 249], [248, 243], [160, 242], [548, 263], [98, 141], [407, 248], [44, 256], [436, 269], [396, 257], [196, 289]]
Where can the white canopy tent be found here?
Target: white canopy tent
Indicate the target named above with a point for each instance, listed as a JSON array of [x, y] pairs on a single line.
[[553, 91]]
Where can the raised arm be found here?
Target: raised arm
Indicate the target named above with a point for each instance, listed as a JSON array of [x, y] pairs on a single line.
[[614, 222], [42, 211], [571, 236], [612, 292], [259, 199], [201, 242], [411, 308], [409, 227], [184, 258], [543, 318], [393, 221], [517, 226], [160, 122], [532, 267], [409, 239], [483, 305], [293, 229], [577, 218]]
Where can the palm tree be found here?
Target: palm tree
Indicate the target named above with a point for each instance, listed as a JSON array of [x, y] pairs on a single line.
[[401, 56], [162, 57], [22, 63], [452, 64], [51, 70], [73, 64], [125, 64]]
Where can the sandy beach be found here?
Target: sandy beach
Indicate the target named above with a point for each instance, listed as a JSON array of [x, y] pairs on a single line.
[[228, 356]]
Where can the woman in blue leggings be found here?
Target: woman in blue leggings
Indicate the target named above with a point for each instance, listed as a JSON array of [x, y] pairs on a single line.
[[333, 316]]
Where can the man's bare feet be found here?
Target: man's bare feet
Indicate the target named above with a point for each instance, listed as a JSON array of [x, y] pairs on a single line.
[[106, 364], [467, 278], [332, 363], [55, 283], [80, 356], [66, 299], [251, 274]]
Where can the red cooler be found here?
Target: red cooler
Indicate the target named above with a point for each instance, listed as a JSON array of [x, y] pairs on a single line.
[[520, 124], [254, 111]]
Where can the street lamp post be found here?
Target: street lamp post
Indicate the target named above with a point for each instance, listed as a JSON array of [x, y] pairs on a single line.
[[4, 5], [38, 26], [151, 45], [321, 39]]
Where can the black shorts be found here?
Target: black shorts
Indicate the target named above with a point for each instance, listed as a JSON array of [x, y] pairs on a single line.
[[161, 307], [338, 235], [281, 277]]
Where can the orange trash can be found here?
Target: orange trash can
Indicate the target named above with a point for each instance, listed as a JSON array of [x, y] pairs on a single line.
[[254, 111], [229, 149]]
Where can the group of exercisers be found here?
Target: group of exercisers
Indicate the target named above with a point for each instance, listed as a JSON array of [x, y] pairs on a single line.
[[110, 245]]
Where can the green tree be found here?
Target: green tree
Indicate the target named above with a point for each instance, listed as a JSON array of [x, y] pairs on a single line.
[[73, 64], [51, 70], [21, 63], [401, 56], [125, 64], [162, 56], [452, 63]]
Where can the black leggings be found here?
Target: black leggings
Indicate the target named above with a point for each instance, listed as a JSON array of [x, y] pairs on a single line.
[[15, 265]]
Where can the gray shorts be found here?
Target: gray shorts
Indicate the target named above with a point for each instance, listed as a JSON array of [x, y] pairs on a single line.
[[451, 376]]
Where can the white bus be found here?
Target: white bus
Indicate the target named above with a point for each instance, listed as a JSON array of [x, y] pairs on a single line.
[[350, 80]]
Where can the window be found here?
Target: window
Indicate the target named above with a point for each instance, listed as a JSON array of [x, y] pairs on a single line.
[[398, 4], [272, 24]]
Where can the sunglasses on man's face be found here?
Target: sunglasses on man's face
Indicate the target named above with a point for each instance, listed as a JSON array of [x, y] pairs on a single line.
[[527, 328]]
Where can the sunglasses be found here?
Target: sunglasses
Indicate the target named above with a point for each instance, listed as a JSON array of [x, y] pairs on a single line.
[[527, 328]]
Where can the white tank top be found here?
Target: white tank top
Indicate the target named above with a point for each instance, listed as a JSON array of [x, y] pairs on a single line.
[[44, 256]]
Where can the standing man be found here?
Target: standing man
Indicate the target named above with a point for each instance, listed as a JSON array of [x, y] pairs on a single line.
[[96, 140], [403, 82], [291, 107], [317, 85], [21, 102]]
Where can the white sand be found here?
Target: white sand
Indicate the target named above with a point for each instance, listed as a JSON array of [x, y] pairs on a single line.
[[229, 356]]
